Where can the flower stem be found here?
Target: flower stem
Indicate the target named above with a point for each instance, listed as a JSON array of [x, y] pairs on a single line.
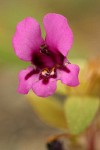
[[91, 134]]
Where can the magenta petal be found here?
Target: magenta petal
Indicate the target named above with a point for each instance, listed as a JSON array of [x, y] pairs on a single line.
[[44, 90], [26, 84], [58, 33], [27, 38], [69, 77]]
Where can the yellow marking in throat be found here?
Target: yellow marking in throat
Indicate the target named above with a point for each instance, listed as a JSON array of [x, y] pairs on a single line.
[[45, 71], [52, 71]]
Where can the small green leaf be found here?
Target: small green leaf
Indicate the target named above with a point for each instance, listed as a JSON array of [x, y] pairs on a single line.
[[49, 110], [80, 112]]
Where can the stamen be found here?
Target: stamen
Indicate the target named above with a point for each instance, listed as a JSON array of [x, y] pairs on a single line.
[[47, 73], [44, 49], [53, 73]]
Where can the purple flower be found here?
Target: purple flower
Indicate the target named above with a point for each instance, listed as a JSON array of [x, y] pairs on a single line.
[[48, 57]]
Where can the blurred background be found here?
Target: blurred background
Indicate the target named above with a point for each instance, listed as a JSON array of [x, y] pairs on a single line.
[[20, 128]]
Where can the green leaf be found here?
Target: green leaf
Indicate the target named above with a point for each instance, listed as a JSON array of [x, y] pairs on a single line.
[[49, 110], [80, 112], [61, 88]]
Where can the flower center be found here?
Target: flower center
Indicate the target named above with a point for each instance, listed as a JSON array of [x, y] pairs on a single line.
[[46, 63], [48, 73]]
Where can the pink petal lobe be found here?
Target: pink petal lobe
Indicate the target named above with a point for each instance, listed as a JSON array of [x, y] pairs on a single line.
[[58, 33], [26, 84], [70, 76], [44, 90], [27, 38]]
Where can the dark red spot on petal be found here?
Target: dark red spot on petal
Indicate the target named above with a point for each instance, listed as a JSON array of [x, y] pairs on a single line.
[[64, 68], [31, 73]]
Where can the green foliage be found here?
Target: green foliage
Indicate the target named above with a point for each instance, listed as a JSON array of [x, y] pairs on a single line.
[[48, 110], [80, 112]]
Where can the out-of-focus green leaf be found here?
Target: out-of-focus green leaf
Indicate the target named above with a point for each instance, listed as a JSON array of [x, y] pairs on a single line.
[[80, 111], [61, 88], [80, 62], [48, 110]]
